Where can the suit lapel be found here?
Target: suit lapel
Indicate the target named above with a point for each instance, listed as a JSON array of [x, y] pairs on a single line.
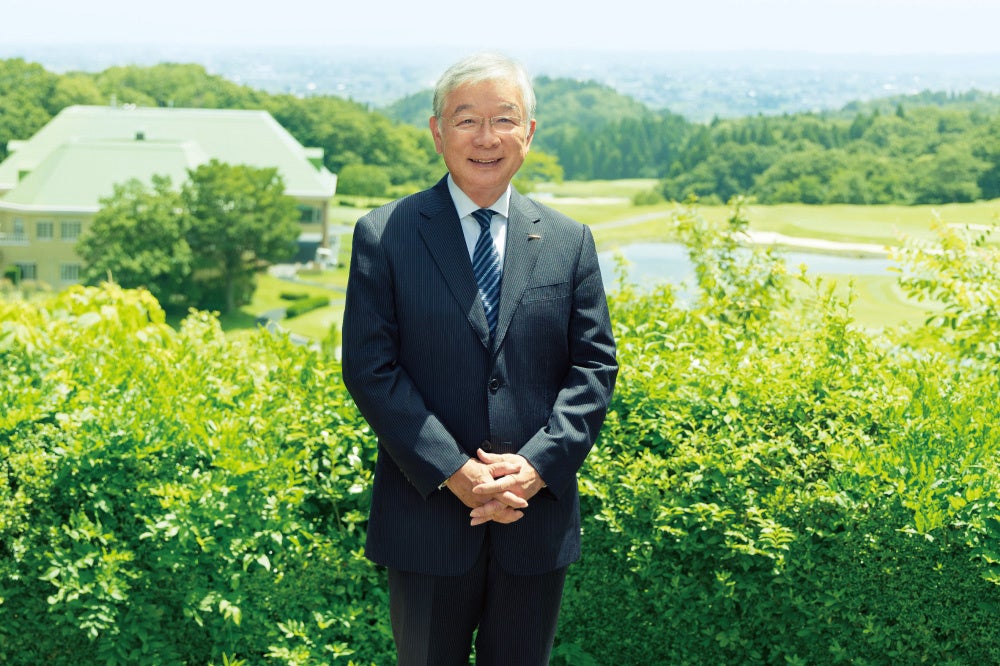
[[441, 231], [524, 243]]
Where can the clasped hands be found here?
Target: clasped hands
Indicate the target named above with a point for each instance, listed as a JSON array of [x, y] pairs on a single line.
[[495, 486]]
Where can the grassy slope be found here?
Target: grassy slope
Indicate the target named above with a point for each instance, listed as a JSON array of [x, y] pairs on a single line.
[[879, 301]]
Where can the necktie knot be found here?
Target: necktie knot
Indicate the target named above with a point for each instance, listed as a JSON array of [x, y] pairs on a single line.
[[483, 216]]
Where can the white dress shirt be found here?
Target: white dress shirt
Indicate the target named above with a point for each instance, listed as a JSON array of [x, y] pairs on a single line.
[[470, 227]]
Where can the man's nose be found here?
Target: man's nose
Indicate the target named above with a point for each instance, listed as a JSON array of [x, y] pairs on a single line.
[[486, 135]]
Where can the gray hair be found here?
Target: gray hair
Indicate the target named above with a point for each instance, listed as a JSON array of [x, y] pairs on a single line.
[[485, 67]]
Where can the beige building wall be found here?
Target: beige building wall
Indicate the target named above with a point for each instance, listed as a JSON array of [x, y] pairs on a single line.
[[43, 245]]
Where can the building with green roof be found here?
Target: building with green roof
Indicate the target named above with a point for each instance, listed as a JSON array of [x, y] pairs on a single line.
[[51, 184]]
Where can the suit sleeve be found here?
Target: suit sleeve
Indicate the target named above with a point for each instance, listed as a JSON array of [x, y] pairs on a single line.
[[558, 450], [413, 436]]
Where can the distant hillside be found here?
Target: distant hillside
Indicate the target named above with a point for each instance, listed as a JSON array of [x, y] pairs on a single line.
[[561, 102], [925, 147], [971, 100], [414, 109]]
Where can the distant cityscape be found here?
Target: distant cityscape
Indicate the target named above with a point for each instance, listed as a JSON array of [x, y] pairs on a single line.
[[699, 86]]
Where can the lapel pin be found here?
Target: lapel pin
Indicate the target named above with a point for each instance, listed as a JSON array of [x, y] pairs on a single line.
[[534, 237]]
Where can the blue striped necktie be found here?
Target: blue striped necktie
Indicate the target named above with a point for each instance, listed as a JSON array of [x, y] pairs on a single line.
[[486, 266]]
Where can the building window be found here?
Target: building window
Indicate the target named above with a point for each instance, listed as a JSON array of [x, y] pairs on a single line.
[[310, 214], [69, 230], [45, 230], [28, 271], [69, 272], [19, 234]]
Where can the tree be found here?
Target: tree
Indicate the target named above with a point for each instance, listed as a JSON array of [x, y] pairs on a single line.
[[170, 84], [350, 134], [364, 180], [538, 167], [77, 88], [988, 149], [25, 96], [949, 176], [240, 219], [138, 239], [199, 247]]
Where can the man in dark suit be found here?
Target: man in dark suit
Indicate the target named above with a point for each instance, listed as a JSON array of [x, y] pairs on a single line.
[[477, 344]]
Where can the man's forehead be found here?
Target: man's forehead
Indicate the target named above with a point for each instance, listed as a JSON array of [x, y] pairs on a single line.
[[496, 94]]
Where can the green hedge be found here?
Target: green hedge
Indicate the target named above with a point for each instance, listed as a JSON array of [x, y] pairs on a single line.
[[305, 305], [176, 497], [773, 485]]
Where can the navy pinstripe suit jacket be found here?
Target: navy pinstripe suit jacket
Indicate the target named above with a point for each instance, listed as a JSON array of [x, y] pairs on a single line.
[[418, 361]]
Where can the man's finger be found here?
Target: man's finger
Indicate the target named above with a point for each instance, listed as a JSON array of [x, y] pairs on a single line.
[[495, 511], [513, 501], [497, 505], [488, 457], [508, 516], [503, 486], [503, 468]]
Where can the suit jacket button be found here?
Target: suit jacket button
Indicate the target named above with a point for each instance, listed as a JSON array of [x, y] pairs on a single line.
[[494, 385], [487, 445]]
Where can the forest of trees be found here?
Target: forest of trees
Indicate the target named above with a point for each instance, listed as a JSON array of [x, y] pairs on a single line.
[[927, 148], [915, 154]]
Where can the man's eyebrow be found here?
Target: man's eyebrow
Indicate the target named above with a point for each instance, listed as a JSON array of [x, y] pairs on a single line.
[[508, 106]]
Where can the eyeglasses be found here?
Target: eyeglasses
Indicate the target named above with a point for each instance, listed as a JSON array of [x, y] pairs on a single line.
[[499, 124]]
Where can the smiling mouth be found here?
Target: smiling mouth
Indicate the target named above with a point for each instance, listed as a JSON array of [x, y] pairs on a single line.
[[486, 162]]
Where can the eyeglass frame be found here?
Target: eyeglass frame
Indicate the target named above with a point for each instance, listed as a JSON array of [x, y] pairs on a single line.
[[455, 123]]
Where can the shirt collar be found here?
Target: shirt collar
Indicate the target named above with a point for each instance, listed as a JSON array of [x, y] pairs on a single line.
[[464, 205]]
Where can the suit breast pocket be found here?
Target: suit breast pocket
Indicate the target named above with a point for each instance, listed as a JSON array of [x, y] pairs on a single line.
[[546, 292], [542, 316]]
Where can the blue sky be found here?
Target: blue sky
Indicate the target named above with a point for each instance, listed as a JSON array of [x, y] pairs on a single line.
[[821, 26]]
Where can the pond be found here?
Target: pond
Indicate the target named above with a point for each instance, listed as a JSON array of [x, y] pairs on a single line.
[[658, 262]]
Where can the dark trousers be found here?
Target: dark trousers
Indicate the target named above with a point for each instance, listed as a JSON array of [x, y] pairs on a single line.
[[434, 617]]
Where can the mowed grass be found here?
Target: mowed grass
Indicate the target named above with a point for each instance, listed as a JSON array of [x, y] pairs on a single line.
[[606, 207], [868, 224], [861, 224], [626, 188], [878, 300], [316, 324]]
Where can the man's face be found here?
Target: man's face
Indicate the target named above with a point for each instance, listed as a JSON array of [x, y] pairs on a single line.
[[482, 156]]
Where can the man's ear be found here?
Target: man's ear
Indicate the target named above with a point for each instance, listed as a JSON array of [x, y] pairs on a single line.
[[436, 134]]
